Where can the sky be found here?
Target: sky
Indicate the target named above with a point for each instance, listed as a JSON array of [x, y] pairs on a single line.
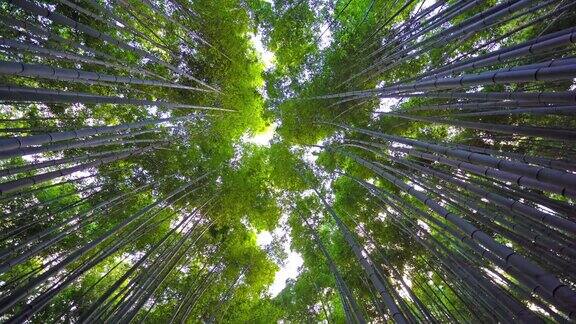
[[265, 54], [263, 138], [289, 270], [325, 36]]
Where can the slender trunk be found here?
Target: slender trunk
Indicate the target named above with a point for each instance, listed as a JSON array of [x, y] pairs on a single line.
[[23, 183], [538, 173], [49, 72], [25, 141], [565, 296], [12, 93], [395, 312], [346, 296], [61, 19], [16, 296]]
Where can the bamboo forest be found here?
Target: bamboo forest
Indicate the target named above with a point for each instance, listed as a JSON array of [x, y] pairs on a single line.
[[287, 161]]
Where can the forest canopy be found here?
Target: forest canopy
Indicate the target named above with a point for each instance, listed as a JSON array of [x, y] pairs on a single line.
[[287, 161]]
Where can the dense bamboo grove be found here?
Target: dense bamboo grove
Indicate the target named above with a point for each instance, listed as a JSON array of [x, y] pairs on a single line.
[[422, 166]]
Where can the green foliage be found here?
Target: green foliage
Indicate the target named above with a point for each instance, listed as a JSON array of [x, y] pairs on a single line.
[[236, 189], [286, 169]]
